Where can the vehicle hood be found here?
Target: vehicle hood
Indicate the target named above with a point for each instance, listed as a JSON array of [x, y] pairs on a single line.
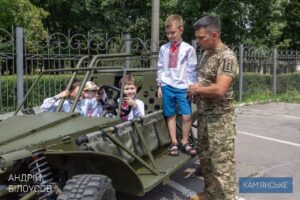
[[46, 128]]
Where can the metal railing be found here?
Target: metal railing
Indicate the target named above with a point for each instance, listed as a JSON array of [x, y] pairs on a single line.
[[60, 51]]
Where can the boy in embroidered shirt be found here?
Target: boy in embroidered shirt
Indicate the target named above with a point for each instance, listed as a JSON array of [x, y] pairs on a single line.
[[176, 69], [129, 100]]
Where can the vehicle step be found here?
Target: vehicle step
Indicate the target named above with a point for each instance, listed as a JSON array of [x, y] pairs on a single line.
[[166, 165]]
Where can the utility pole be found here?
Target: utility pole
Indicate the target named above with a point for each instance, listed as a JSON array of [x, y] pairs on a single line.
[[154, 32], [20, 65]]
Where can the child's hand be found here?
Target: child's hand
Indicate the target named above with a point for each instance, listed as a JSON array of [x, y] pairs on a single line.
[[98, 97], [63, 94], [130, 101], [159, 92]]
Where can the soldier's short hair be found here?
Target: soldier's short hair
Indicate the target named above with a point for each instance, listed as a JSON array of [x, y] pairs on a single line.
[[210, 23], [177, 19]]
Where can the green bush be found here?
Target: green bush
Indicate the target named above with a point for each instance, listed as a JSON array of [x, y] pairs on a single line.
[[259, 85], [254, 83], [288, 82], [47, 86], [255, 86]]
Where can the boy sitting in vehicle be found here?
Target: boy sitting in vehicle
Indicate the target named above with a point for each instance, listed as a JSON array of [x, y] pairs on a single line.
[[50, 104], [92, 104], [131, 106]]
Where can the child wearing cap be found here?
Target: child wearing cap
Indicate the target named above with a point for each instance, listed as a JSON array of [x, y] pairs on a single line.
[[92, 104]]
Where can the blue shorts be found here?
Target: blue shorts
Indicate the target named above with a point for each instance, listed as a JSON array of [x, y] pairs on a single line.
[[173, 96]]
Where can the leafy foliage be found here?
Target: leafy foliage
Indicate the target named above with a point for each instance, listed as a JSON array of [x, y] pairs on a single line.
[[273, 23], [48, 85], [23, 13], [291, 32], [101, 16], [255, 84]]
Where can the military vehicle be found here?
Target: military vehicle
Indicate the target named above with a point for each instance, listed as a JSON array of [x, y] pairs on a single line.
[[62, 155]]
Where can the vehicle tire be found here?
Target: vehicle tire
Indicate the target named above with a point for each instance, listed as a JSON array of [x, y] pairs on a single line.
[[88, 187]]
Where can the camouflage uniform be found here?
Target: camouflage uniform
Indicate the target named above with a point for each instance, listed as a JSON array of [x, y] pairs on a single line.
[[216, 126]]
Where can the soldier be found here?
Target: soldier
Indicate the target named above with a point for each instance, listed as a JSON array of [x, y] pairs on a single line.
[[213, 95]]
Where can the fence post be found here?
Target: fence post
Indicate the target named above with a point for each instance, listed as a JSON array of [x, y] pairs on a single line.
[[127, 43], [241, 58], [20, 56], [154, 32], [274, 75]]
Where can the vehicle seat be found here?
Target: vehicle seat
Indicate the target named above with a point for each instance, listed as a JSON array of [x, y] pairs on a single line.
[[154, 130], [148, 93]]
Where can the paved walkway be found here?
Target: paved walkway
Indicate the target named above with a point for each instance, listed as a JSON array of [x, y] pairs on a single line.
[[267, 145]]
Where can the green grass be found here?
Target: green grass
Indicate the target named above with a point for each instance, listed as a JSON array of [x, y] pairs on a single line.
[[265, 97]]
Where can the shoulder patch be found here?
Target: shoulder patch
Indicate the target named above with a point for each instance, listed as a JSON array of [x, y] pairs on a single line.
[[228, 64]]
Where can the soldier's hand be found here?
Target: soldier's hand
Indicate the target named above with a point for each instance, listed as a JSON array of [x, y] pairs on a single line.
[[192, 90]]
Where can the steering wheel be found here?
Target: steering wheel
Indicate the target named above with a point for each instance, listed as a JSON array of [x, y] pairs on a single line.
[[111, 91], [111, 101]]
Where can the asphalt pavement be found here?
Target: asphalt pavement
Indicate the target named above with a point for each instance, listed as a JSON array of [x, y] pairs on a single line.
[[267, 145]]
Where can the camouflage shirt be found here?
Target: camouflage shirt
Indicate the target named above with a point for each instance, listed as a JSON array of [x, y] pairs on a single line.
[[221, 61]]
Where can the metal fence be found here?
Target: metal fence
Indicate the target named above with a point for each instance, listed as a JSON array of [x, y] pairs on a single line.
[[19, 65]]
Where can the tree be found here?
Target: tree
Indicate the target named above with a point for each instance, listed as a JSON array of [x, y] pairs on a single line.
[[252, 22], [265, 22], [291, 34], [255, 22], [24, 14], [102, 16]]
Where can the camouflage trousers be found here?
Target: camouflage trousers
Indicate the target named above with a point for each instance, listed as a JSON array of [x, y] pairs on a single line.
[[216, 135]]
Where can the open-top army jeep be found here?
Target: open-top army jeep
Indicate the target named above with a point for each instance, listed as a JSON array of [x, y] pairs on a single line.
[[59, 155]]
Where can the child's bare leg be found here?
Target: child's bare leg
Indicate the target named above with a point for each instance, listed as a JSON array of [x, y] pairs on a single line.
[[171, 121], [186, 127]]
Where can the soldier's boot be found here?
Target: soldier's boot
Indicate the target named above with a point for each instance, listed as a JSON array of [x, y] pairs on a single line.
[[198, 197]]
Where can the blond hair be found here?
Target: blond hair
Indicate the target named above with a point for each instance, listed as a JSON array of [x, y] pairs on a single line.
[[174, 19]]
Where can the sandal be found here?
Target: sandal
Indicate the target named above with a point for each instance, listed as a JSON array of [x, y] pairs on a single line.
[[189, 149], [173, 150]]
